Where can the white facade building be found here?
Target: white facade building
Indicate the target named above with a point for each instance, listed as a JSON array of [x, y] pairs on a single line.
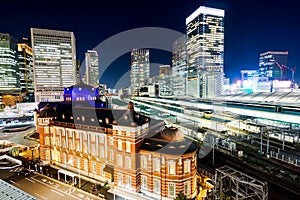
[[54, 61], [205, 52]]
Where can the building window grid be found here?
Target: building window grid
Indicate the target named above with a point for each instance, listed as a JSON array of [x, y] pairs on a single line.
[[119, 160], [157, 188], [128, 182], [144, 162], [128, 162], [144, 182], [156, 165], [119, 145], [172, 167], [120, 180], [171, 190], [128, 147], [187, 166], [187, 188]]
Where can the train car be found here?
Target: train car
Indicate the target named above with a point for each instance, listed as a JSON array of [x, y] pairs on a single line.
[[199, 112]]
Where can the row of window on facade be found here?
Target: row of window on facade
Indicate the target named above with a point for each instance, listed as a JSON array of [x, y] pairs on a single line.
[[171, 165], [81, 98], [69, 160], [71, 133], [128, 185], [86, 146], [156, 162], [156, 185]]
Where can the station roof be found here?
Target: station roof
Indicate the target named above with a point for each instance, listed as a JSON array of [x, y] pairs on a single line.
[[8, 191], [271, 97]]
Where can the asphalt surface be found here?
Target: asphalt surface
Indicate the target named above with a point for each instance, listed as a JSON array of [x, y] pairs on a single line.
[[43, 187]]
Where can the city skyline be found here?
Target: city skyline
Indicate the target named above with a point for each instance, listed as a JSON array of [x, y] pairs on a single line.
[[250, 29]]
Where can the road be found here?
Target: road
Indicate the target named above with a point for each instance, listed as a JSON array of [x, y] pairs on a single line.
[[18, 137], [45, 188]]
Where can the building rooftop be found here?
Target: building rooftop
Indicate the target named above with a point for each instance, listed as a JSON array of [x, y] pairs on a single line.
[[276, 97], [47, 111], [8, 191], [169, 140], [84, 114]]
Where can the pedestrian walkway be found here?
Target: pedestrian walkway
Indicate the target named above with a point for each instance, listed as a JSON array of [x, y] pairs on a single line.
[[94, 187]]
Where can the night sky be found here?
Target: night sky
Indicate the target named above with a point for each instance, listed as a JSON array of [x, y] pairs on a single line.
[[251, 27]]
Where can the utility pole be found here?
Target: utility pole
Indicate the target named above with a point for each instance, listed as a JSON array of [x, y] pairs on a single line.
[[283, 139], [261, 139], [213, 162]]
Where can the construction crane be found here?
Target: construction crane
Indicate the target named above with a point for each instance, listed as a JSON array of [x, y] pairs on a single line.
[[282, 67]]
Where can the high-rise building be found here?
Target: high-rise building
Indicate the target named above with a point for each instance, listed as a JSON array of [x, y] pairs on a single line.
[[205, 52], [91, 68], [9, 69], [26, 69], [54, 61], [140, 69], [270, 65], [179, 66]]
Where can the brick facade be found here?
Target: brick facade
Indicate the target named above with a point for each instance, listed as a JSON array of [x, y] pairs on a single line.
[[87, 150]]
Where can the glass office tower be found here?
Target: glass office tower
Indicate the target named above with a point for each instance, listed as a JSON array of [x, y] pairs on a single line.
[[9, 69], [179, 66], [140, 69], [54, 61], [205, 52], [268, 67], [92, 68], [26, 69]]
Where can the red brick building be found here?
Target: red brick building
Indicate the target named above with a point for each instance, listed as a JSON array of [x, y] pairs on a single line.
[[135, 153]]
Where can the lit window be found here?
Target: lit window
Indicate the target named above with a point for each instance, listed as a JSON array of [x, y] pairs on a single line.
[[120, 145], [127, 146], [156, 165], [172, 167], [102, 151], [156, 186], [70, 161], [120, 179], [102, 169], [119, 160], [86, 167], [101, 137], [171, 190], [127, 162], [78, 163], [144, 182], [94, 168], [187, 188], [144, 162], [111, 141], [128, 182], [187, 166]]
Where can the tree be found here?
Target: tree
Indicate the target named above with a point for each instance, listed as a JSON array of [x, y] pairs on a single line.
[[181, 196]]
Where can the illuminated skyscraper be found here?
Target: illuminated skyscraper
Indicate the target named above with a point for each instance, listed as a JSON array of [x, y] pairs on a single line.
[[91, 68], [205, 52], [140, 69], [26, 69], [9, 69], [268, 67], [179, 66], [54, 61]]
